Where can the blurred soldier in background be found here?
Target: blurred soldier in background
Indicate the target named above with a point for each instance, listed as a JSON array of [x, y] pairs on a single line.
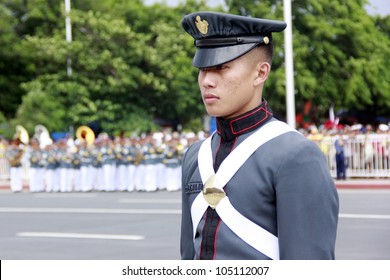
[[51, 168], [130, 163], [65, 167], [340, 158], [14, 154], [36, 171]]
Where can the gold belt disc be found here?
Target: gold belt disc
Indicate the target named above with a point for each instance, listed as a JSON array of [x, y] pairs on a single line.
[[211, 193]]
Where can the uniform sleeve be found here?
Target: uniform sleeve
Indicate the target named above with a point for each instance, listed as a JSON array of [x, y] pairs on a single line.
[[189, 164], [307, 205]]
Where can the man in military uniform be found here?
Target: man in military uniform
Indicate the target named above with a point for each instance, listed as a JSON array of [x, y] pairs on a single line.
[[85, 167], [130, 164], [109, 165], [97, 167], [121, 167], [36, 171], [172, 166], [51, 168], [150, 165], [65, 173], [255, 189], [15, 153], [76, 167]]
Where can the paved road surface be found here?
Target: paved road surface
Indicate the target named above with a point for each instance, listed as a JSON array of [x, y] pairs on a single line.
[[89, 225], [134, 226]]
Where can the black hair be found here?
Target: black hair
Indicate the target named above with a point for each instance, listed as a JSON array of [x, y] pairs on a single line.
[[269, 51]]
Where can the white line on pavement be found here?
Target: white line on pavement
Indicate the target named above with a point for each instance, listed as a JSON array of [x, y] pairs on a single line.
[[152, 201], [89, 210], [80, 235], [64, 195], [364, 216]]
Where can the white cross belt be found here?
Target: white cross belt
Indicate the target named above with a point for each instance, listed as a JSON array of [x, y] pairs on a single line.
[[248, 231]]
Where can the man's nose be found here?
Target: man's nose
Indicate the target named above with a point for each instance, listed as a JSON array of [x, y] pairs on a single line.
[[207, 79]]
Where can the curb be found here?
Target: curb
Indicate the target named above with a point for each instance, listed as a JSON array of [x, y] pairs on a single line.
[[368, 185]]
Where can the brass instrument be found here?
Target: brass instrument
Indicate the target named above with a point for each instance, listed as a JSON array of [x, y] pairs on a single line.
[[21, 134], [85, 134], [42, 135], [14, 160]]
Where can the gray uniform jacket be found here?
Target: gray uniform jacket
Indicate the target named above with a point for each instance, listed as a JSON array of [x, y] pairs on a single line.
[[285, 187]]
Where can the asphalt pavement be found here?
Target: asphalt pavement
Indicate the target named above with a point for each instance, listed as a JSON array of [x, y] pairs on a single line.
[[146, 226]]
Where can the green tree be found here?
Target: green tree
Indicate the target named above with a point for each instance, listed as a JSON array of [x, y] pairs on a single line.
[[104, 58], [40, 108], [339, 54], [13, 67], [132, 63], [120, 75], [345, 51]]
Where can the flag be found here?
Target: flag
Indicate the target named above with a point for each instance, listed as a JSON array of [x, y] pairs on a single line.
[[331, 113]]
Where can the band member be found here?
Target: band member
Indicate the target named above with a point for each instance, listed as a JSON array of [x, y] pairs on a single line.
[[14, 154], [36, 171], [51, 168], [65, 167]]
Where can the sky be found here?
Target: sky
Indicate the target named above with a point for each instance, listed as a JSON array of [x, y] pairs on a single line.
[[381, 7]]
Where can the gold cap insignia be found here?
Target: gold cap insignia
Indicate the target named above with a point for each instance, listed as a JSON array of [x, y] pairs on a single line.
[[202, 25], [266, 40]]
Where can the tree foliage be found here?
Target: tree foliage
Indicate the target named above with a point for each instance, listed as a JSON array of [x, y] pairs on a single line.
[[131, 63], [339, 54], [346, 52]]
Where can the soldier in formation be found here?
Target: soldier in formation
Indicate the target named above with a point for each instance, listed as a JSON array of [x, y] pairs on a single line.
[[122, 164], [15, 153]]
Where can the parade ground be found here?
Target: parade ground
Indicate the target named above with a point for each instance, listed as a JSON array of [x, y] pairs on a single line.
[[146, 225]]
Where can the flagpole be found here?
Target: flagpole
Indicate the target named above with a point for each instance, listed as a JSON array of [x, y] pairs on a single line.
[[290, 94], [68, 29]]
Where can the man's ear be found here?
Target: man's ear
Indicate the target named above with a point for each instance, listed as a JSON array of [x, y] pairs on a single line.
[[262, 71]]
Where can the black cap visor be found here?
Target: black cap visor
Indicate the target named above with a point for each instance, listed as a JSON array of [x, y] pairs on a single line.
[[210, 57]]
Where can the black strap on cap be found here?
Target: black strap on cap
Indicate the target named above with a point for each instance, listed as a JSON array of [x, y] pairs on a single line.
[[230, 41]]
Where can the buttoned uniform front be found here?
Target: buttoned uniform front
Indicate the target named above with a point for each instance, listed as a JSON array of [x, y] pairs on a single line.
[[284, 187]]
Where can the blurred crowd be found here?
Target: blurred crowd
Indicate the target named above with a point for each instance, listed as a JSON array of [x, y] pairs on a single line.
[[323, 136], [359, 150], [149, 162], [152, 161]]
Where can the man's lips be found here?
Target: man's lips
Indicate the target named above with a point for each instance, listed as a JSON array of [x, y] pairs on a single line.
[[209, 98]]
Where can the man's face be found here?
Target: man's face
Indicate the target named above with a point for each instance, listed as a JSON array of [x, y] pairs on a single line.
[[229, 90]]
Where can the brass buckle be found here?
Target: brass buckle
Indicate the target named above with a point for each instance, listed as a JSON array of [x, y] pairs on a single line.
[[211, 193]]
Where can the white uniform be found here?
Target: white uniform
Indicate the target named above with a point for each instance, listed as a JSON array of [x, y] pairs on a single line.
[[36, 171]]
